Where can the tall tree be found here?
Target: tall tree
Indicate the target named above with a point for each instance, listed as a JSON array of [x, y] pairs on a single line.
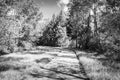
[[83, 21], [78, 15], [53, 33]]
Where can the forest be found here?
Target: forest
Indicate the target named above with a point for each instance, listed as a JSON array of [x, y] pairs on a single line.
[[90, 26]]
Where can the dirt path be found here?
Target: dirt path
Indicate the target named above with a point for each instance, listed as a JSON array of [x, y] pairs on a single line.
[[43, 63], [47, 63]]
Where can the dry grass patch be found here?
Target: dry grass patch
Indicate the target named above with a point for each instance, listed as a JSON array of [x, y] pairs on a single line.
[[96, 71]]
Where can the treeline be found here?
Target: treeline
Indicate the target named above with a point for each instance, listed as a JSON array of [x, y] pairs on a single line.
[[93, 25]]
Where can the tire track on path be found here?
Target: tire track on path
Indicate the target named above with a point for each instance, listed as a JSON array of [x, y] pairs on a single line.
[[81, 65]]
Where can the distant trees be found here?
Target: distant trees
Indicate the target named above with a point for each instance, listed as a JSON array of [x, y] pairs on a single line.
[[54, 32], [50, 36]]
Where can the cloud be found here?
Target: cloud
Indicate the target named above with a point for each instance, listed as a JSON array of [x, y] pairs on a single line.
[[65, 9], [64, 1], [11, 12], [63, 5]]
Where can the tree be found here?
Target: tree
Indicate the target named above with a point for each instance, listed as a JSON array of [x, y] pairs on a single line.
[[84, 22], [19, 15], [53, 32], [78, 24], [111, 31]]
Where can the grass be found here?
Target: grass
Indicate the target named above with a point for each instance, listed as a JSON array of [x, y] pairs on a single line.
[[97, 71], [56, 65], [20, 66]]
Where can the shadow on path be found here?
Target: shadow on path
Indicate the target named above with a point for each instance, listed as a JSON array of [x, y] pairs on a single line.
[[57, 72], [80, 64]]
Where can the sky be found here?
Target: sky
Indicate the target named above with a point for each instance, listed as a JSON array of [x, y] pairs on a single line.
[[49, 7]]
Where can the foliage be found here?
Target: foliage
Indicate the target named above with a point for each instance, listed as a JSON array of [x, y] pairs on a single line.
[[78, 23], [52, 33], [18, 19], [105, 24], [110, 29], [93, 24]]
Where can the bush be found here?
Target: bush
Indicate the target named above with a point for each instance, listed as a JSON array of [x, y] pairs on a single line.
[[2, 52]]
